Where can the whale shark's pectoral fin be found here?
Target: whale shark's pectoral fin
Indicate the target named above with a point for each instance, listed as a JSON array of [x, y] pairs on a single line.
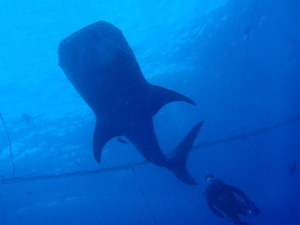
[[161, 96], [102, 134], [178, 158]]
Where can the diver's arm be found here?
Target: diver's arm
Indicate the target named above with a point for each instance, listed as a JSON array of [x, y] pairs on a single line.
[[213, 208], [215, 211], [239, 192]]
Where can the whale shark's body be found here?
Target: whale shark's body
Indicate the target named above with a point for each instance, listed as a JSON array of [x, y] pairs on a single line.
[[103, 69]]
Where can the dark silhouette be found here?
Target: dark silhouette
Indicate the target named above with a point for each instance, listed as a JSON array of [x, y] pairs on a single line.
[[292, 167], [27, 118], [247, 30], [227, 201]]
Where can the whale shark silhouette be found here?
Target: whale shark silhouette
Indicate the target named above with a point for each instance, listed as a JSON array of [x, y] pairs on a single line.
[[103, 69]]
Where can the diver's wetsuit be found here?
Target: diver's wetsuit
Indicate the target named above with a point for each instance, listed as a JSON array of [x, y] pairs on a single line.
[[221, 196]]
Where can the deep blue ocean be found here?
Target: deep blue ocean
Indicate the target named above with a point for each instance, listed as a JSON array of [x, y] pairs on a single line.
[[238, 60]]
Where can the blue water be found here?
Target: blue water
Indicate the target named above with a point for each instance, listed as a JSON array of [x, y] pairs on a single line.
[[239, 61]]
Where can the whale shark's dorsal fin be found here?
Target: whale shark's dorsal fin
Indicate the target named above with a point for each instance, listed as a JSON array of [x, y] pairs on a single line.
[[161, 96], [102, 134]]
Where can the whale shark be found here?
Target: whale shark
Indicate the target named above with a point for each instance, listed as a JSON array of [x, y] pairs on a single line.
[[102, 67]]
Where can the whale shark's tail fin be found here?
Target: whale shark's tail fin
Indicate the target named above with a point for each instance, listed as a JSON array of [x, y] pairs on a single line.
[[178, 158]]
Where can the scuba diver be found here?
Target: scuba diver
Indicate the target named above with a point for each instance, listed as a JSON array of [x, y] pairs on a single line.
[[227, 201], [27, 118]]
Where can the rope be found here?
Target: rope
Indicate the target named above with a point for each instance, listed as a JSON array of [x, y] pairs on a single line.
[[10, 148], [21, 179], [247, 136], [144, 196], [244, 74]]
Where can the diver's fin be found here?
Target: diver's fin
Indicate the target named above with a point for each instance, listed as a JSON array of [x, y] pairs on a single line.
[[103, 133], [178, 158], [122, 140], [161, 96]]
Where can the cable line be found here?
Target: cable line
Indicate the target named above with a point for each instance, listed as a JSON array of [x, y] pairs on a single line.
[[129, 166], [10, 148]]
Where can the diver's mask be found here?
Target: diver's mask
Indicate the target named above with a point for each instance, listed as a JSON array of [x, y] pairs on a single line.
[[210, 178]]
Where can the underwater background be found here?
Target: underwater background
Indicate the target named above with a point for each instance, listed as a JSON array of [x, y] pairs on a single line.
[[238, 60]]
